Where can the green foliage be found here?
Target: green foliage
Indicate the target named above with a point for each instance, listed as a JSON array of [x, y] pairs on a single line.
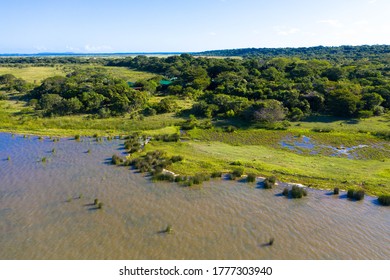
[[384, 200], [336, 191], [269, 182], [116, 159], [355, 194], [251, 178], [216, 174]]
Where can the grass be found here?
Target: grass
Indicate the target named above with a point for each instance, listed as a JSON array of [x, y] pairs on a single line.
[[257, 151], [36, 74]]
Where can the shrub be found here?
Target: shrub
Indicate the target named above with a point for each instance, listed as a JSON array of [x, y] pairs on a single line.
[[238, 172], [116, 159], [269, 182], [176, 159], [336, 191], [231, 176], [96, 201], [297, 192], [164, 177], [251, 178], [355, 194], [77, 137], [285, 192], [236, 162], [384, 200], [216, 174], [100, 205]]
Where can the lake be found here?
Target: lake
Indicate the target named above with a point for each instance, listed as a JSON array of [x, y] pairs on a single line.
[[47, 212]]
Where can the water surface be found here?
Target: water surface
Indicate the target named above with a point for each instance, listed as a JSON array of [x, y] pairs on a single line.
[[42, 216]]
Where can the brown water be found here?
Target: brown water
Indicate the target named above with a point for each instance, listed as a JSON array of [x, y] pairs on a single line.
[[222, 220]]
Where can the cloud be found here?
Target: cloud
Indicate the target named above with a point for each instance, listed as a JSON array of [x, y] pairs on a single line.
[[285, 31], [331, 22], [102, 48]]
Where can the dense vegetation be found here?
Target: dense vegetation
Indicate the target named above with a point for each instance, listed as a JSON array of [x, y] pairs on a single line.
[[259, 90], [208, 111]]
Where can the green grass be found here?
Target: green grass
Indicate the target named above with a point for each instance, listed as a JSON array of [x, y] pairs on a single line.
[[34, 74], [316, 171], [258, 150]]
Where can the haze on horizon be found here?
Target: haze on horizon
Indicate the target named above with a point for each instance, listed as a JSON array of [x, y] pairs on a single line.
[[96, 26]]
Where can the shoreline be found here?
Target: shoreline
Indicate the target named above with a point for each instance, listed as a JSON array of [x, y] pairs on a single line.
[[285, 178]]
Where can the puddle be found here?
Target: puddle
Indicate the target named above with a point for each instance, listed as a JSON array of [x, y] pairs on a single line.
[[300, 144]]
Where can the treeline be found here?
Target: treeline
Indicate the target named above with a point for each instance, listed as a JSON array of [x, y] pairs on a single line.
[[273, 89], [263, 90], [320, 52], [85, 91]]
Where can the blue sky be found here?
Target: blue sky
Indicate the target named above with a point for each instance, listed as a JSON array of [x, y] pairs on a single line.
[[30, 26]]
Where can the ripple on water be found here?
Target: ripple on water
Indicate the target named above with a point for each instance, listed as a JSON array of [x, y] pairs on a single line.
[[43, 217]]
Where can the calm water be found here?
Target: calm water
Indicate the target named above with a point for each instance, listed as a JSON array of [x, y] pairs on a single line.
[[222, 220]]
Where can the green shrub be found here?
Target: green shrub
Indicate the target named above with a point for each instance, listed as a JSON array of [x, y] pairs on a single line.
[[236, 162], [297, 192], [231, 176], [238, 172], [116, 159], [229, 129], [384, 200], [216, 174], [100, 205], [355, 194], [251, 178], [323, 130], [164, 177], [336, 191], [96, 201], [176, 159], [77, 137], [269, 182], [285, 192]]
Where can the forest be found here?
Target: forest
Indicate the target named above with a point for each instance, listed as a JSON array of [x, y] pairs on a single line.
[[278, 87]]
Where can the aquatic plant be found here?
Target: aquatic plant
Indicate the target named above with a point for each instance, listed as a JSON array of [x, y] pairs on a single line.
[[96, 201], [44, 159], [269, 182], [168, 229], [89, 151], [115, 159], [251, 178], [216, 174], [384, 200], [77, 137], [336, 191], [285, 192], [53, 151], [238, 172], [8, 158], [100, 205], [297, 192], [355, 194]]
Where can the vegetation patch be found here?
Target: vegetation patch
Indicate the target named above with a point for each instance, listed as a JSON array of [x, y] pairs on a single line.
[[295, 192]]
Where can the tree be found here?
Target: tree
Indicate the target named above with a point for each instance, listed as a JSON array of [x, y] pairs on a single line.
[[342, 102], [268, 111]]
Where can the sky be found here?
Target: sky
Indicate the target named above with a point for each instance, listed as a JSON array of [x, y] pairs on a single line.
[[93, 26]]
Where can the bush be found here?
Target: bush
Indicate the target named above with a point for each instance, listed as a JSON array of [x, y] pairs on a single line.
[[236, 163], [336, 191], [231, 176], [297, 192], [164, 177], [116, 159], [384, 200], [251, 178], [285, 192], [77, 137], [216, 174], [269, 182], [355, 194], [238, 172], [176, 159]]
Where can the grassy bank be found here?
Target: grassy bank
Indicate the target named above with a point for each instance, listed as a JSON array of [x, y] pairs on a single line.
[[256, 150]]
